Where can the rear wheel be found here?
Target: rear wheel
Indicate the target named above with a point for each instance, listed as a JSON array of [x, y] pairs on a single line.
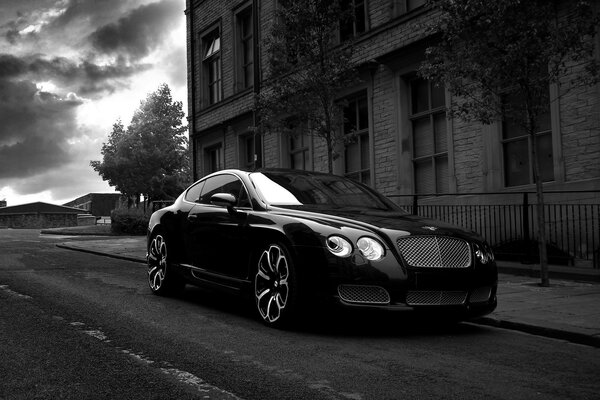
[[275, 286], [161, 279]]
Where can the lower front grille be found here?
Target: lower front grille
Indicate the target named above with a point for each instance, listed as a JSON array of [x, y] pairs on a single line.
[[435, 298], [363, 294]]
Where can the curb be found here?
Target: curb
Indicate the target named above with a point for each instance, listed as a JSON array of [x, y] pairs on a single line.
[[66, 233], [573, 337], [100, 253], [592, 277]]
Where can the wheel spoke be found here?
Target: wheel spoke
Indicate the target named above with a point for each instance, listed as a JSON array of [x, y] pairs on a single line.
[[273, 310]]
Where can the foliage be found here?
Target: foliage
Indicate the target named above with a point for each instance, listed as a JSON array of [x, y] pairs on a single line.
[[492, 50], [129, 221], [307, 69], [150, 157], [499, 58]]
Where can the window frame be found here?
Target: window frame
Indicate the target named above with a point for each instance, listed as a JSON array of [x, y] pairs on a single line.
[[303, 149], [545, 130], [243, 66], [211, 62], [431, 112], [364, 174], [208, 151], [247, 147], [355, 32], [402, 7]]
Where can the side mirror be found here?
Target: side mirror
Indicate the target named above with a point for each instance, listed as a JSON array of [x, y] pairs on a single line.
[[223, 200]]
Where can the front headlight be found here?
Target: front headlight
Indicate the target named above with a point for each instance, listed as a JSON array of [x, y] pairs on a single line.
[[370, 248], [484, 253], [339, 246]]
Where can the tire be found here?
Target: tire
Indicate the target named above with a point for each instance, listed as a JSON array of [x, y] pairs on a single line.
[[161, 279], [276, 286]]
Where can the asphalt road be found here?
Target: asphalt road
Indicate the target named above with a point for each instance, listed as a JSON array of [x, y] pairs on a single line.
[[81, 326]]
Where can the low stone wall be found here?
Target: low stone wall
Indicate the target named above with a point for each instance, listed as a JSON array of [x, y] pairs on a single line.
[[37, 220]]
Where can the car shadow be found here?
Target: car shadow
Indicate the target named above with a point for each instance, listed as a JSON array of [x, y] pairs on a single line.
[[331, 320]]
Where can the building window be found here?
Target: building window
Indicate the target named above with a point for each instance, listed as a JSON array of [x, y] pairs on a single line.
[[211, 61], [245, 56], [213, 158], [400, 7], [357, 22], [414, 4], [429, 137], [516, 145], [298, 151], [250, 151], [356, 139]]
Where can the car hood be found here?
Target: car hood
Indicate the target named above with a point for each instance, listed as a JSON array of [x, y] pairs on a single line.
[[391, 223]]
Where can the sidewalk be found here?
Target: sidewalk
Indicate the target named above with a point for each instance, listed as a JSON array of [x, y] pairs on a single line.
[[568, 309]]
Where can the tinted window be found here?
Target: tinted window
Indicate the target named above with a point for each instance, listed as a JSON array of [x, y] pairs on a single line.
[[290, 189], [224, 184], [193, 193]]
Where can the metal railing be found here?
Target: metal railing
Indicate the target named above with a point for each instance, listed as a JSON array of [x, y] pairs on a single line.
[[572, 218]]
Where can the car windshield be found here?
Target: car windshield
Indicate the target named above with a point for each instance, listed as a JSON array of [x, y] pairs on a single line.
[[306, 190]]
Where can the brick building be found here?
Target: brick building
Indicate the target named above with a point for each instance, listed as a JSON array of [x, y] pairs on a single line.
[[406, 144], [97, 204]]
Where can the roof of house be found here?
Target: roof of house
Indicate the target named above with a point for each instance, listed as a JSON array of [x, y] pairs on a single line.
[[39, 207]]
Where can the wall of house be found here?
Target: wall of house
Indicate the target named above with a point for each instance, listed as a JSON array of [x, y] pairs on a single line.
[[390, 51], [37, 220]]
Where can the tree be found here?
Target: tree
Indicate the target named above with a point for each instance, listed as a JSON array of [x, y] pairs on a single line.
[[307, 69], [150, 157], [499, 58]]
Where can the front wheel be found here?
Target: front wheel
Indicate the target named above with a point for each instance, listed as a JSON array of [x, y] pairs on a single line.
[[275, 286], [161, 279]]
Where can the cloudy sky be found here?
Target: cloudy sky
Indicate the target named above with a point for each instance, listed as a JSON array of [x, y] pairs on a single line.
[[68, 70]]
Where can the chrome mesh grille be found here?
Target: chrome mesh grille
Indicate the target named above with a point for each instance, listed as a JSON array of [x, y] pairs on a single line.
[[435, 298], [480, 295], [435, 252], [363, 294]]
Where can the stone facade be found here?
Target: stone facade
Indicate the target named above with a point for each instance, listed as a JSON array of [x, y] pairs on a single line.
[[390, 51]]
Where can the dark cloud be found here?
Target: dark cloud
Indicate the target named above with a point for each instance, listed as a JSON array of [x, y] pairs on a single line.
[[35, 130], [11, 66], [95, 12], [137, 33], [85, 78]]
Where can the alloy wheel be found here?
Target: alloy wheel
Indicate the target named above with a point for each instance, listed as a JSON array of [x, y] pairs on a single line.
[[271, 288], [157, 263]]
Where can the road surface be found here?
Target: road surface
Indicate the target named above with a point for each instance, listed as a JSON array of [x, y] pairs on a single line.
[[76, 325]]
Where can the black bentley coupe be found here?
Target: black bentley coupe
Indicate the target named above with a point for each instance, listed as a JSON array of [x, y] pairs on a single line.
[[293, 238]]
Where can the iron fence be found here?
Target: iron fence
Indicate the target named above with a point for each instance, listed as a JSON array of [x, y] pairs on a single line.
[[572, 220]]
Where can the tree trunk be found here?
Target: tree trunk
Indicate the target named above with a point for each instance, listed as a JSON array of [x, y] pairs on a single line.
[[329, 157], [541, 218]]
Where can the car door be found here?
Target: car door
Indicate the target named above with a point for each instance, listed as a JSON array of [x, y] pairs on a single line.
[[217, 235]]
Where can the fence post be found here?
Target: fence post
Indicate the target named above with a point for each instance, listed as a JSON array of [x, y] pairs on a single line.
[[415, 205]]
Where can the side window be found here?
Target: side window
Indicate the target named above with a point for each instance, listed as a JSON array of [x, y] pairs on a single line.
[[225, 184], [193, 194]]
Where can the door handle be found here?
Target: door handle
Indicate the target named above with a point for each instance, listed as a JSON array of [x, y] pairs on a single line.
[[192, 217]]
